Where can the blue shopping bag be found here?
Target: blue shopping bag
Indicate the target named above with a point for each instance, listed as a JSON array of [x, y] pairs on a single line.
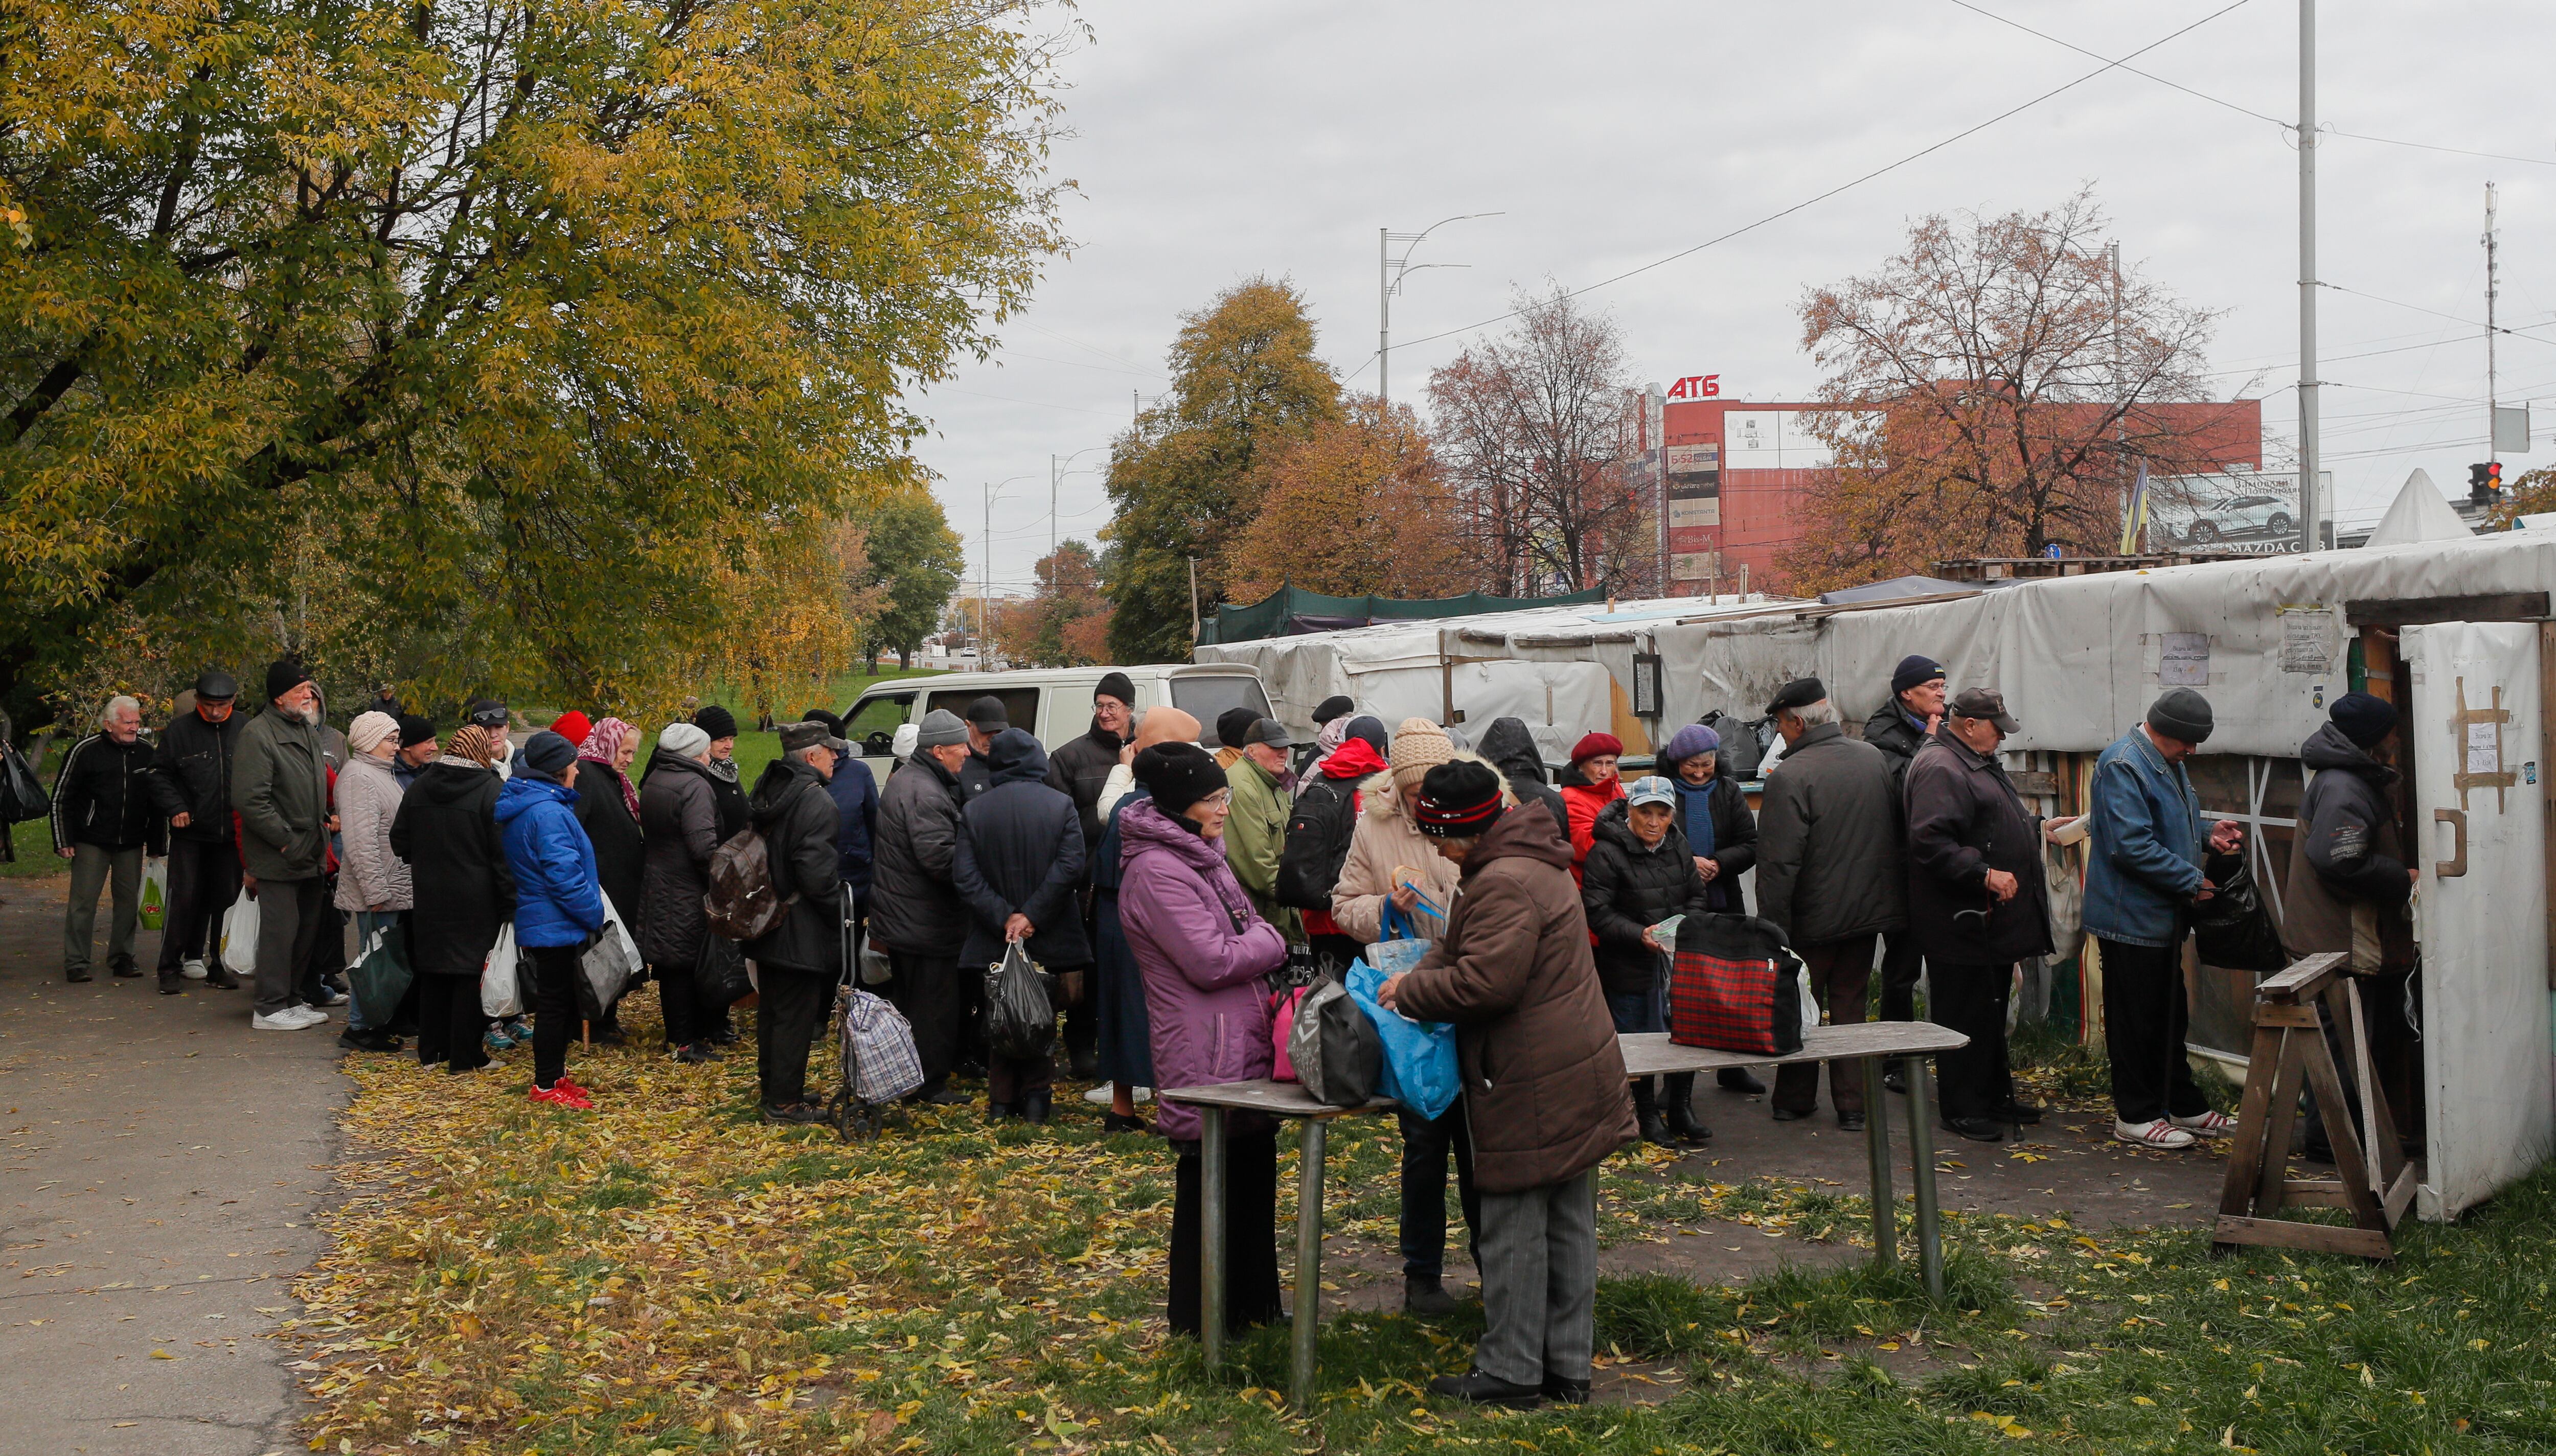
[[1420, 1069]]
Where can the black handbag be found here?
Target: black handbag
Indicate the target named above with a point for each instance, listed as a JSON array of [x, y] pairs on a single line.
[[2231, 929], [21, 796], [719, 973]]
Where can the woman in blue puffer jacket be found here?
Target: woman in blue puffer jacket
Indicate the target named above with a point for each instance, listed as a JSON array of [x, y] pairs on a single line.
[[558, 903]]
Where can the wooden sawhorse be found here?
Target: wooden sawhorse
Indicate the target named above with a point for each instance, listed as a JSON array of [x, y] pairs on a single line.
[[2373, 1178]]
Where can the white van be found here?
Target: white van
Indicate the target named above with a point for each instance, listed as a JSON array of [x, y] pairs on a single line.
[[1054, 703]]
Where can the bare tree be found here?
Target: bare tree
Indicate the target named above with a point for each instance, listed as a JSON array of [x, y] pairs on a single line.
[[1996, 388], [1532, 428]]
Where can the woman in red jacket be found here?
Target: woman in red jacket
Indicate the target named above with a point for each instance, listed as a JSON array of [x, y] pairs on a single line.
[[1589, 785]]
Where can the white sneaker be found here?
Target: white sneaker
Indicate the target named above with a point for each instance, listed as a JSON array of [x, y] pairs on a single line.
[[1099, 1096], [318, 1013], [2159, 1134], [192, 969], [2208, 1125], [291, 1019], [1145, 1094]]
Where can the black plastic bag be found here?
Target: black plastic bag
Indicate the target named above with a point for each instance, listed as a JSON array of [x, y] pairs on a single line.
[[718, 975], [21, 796], [2231, 929], [1020, 1009]]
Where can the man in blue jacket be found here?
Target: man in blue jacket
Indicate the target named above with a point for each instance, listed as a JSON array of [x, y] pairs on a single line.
[[2143, 876]]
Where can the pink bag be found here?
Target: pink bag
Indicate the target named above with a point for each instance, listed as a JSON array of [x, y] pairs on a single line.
[[1282, 1019]]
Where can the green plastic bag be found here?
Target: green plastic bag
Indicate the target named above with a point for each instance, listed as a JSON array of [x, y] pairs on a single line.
[[380, 976], [155, 909]]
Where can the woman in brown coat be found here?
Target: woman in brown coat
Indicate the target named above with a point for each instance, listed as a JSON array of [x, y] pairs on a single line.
[[1544, 1082]]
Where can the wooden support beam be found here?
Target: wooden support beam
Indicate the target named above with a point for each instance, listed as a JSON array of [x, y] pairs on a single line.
[[2500, 606]]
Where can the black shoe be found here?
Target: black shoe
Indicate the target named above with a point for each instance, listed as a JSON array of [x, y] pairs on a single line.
[[1897, 1079], [219, 977], [1001, 1112], [608, 1033], [354, 1041], [78, 977], [722, 1035], [1479, 1388], [1085, 1068], [1564, 1390], [1976, 1129], [937, 1097], [695, 1054], [124, 968], [1035, 1108], [171, 983], [1683, 1124], [1425, 1297], [1739, 1079], [796, 1114], [2023, 1114], [1111, 1122], [1852, 1122], [402, 1027], [1787, 1115], [1654, 1130]]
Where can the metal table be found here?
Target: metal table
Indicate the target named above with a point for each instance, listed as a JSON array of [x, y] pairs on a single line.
[[1650, 1054], [1646, 1055]]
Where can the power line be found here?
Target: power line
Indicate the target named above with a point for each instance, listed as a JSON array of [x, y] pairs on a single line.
[[1844, 187], [2435, 312]]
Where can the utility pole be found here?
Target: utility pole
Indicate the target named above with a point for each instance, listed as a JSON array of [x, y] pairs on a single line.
[[1050, 522], [2490, 391], [1389, 272], [2311, 508]]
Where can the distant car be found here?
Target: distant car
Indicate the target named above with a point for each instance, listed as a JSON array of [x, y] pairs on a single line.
[[2240, 515]]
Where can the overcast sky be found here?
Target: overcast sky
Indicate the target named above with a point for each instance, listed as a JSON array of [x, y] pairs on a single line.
[[1216, 141]]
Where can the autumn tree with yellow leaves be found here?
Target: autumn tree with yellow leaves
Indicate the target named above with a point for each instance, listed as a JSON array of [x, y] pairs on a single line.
[[548, 324]]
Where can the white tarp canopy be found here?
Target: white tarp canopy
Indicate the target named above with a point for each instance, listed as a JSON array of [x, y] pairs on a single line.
[[2418, 514], [2079, 658]]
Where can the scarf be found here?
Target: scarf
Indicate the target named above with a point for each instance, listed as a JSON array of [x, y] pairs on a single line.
[[604, 743], [1695, 815], [470, 742]]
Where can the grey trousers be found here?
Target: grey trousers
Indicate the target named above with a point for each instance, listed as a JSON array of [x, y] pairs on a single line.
[[92, 868], [289, 916], [1539, 1264]]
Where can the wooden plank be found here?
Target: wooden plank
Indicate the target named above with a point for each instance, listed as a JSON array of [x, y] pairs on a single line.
[[1650, 1053], [2314, 1237], [2325, 1083], [2305, 977], [1278, 1099], [2314, 1194], [2034, 783], [2399, 1194], [2245, 1158], [2500, 606], [2278, 1118]]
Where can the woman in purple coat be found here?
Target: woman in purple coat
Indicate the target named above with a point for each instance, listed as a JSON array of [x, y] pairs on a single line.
[[1203, 952]]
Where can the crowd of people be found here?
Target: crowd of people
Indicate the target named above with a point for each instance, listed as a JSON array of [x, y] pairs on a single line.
[[1162, 885]]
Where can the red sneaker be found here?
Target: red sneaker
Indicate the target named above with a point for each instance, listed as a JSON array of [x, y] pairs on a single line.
[[564, 1084], [563, 1094]]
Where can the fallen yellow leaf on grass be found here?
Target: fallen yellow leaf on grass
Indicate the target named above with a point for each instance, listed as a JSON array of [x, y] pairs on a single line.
[[162, 1355]]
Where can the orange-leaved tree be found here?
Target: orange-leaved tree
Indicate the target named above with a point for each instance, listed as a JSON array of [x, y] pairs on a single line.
[[1995, 389], [1357, 505]]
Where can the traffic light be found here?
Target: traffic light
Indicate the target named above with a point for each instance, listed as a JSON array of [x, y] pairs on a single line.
[[2484, 483]]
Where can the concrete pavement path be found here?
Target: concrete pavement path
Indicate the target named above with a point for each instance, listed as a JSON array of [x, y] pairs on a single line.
[[162, 1170]]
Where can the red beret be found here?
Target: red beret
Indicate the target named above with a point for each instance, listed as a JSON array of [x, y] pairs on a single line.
[[573, 726], [1597, 744]]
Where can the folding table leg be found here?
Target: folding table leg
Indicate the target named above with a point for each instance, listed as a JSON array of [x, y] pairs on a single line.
[[1309, 1263], [1211, 1155], [1876, 1142], [1921, 1153]]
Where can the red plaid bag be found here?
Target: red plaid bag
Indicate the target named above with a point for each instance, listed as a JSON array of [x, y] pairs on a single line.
[[1734, 987]]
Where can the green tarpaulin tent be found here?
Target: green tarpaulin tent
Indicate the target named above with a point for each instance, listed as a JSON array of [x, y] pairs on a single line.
[[1291, 609]]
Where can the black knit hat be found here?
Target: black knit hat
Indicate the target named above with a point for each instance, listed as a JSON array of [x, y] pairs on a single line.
[[1232, 723], [1115, 684], [284, 676], [1336, 705], [1178, 775], [715, 721], [2364, 718], [546, 754], [2181, 713], [415, 728], [1458, 800], [1371, 729]]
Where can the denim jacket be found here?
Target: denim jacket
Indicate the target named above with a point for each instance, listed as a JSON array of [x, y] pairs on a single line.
[[2144, 866]]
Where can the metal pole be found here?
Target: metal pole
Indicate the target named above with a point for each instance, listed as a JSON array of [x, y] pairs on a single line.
[[2311, 534], [1051, 523], [1211, 1215], [986, 581], [2492, 394], [1308, 1264], [1921, 1159], [1877, 1139], [1383, 317]]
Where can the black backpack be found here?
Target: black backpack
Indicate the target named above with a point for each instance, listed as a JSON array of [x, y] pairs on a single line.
[[1318, 844], [1744, 743]]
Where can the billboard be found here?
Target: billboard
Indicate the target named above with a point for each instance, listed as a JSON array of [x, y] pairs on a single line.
[[1695, 565], [1771, 439], [2236, 510], [1695, 485]]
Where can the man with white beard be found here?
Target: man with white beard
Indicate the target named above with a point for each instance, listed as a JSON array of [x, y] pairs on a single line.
[[279, 785]]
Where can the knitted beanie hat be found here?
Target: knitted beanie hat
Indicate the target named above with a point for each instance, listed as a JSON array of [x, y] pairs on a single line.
[[1417, 747]]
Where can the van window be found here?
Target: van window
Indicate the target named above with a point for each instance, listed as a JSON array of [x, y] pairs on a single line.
[[1020, 705], [872, 723], [1207, 698]]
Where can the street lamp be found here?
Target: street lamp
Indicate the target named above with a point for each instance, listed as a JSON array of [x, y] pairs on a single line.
[[1389, 273], [1056, 472], [985, 583]]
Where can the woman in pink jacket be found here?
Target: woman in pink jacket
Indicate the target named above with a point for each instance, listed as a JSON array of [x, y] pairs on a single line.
[[1203, 952]]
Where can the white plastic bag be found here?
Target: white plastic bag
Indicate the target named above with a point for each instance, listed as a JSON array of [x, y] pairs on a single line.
[[607, 968], [239, 936], [502, 992]]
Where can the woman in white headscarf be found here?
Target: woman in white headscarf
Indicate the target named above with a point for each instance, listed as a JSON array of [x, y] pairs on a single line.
[[679, 813], [372, 881]]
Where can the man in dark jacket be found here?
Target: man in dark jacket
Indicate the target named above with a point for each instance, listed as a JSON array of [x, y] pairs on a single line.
[[2347, 881], [1508, 747], [799, 961], [104, 822], [1899, 728], [1832, 875], [280, 787], [917, 917], [1319, 828], [190, 785], [419, 747], [447, 830], [1017, 866], [1639, 873], [855, 796], [1513, 972], [1078, 770], [987, 717], [1976, 904]]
